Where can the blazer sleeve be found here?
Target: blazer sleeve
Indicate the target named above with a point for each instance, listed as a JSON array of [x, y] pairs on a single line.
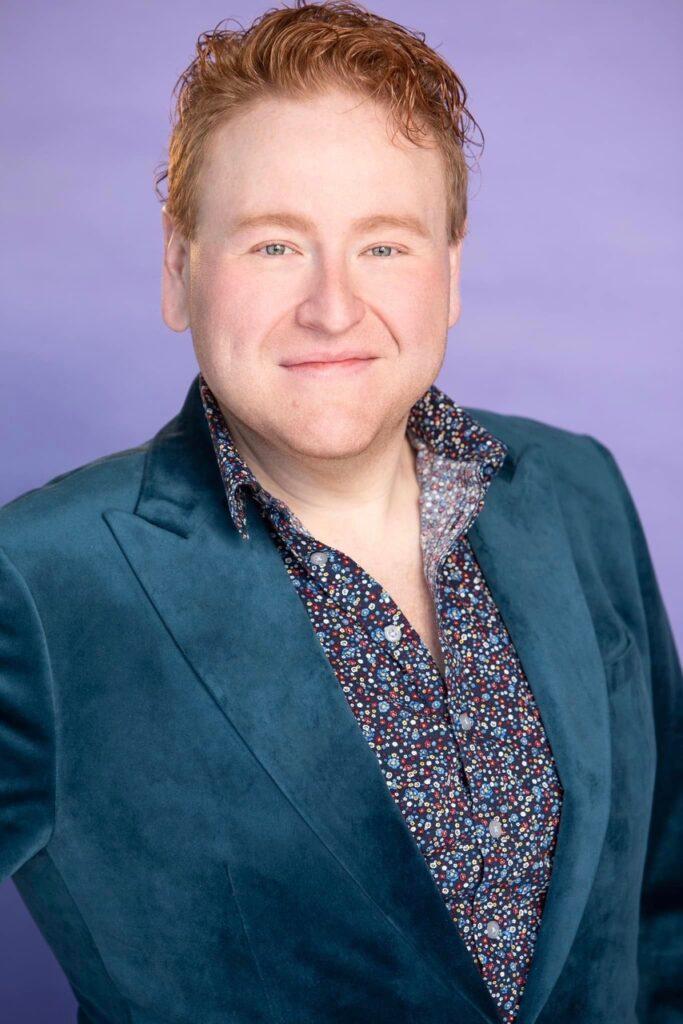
[[660, 943], [27, 743]]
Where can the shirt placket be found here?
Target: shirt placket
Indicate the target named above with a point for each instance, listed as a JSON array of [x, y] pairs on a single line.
[[467, 710], [335, 574]]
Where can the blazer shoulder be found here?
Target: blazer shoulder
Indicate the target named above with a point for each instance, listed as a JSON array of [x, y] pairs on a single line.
[[520, 431], [64, 509], [580, 464]]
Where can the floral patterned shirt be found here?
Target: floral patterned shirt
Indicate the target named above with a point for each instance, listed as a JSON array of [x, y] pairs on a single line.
[[464, 756]]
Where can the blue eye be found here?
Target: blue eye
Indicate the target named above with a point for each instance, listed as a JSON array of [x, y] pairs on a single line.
[[270, 245], [384, 247]]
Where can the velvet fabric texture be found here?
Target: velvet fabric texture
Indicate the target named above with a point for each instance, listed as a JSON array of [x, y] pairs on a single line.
[[197, 824]]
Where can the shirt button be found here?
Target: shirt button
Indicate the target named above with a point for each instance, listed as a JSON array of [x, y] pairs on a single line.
[[392, 633], [495, 828], [493, 930], [319, 558], [466, 722]]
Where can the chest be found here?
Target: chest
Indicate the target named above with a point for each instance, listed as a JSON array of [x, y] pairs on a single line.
[[405, 581]]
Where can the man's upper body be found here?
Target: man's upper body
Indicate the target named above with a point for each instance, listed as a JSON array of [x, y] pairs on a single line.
[[458, 736], [203, 832]]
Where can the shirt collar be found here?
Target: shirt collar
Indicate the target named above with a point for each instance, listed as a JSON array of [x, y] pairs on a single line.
[[435, 423]]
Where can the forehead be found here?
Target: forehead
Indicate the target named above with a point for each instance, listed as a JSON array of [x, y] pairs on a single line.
[[335, 150]]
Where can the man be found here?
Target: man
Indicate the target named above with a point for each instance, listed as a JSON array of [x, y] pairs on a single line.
[[336, 701]]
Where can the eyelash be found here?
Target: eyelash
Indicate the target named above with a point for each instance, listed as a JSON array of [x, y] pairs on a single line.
[[284, 244]]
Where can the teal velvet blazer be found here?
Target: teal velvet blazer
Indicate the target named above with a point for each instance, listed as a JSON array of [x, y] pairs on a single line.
[[197, 824]]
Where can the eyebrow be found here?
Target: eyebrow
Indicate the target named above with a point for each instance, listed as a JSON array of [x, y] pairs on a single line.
[[296, 222]]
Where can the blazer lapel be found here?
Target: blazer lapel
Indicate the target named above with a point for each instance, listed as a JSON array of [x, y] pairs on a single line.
[[522, 547], [234, 613]]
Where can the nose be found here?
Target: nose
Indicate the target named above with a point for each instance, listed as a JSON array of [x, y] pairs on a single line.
[[331, 304]]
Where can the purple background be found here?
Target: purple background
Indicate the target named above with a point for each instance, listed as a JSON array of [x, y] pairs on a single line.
[[571, 277]]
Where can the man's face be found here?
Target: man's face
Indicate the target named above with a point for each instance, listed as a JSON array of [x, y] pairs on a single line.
[[309, 280]]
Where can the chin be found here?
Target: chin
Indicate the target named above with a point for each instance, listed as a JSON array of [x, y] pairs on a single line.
[[324, 439]]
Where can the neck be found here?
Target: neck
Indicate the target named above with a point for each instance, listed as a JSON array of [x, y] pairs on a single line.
[[362, 500]]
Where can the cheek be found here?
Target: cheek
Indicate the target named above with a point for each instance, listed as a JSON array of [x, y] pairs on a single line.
[[228, 316], [420, 311], [424, 294]]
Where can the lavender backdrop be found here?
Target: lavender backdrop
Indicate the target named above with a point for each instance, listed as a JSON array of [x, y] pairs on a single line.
[[571, 311]]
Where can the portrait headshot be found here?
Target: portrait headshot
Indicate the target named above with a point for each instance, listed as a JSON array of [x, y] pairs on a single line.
[[340, 558]]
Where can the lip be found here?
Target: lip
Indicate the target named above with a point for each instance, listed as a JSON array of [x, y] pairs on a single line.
[[344, 356], [327, 367]]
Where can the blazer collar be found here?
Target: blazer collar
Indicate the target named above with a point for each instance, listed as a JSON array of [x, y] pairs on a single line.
[[235, 621], [181, 480]]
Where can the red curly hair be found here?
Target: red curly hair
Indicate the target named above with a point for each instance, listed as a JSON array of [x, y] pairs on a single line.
[[299, 51]]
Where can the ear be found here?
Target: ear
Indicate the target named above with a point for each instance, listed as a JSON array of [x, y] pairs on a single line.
[[454, 255], [175, 280]]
